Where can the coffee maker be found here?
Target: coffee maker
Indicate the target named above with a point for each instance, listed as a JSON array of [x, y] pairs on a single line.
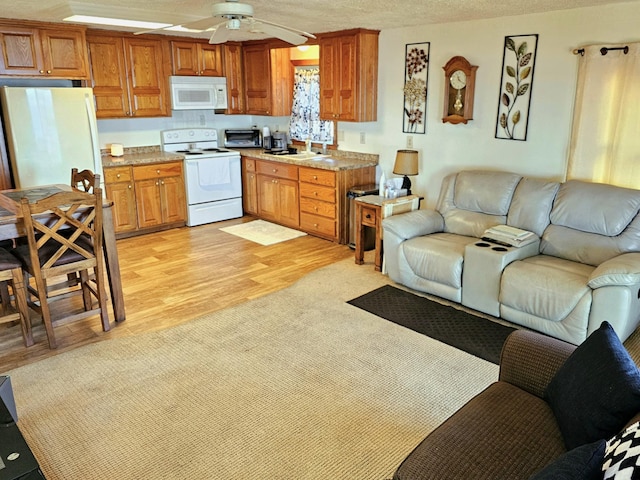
[[276, 142]]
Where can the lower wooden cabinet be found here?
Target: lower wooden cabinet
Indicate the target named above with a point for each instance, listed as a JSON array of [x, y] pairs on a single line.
[[146, 197], [318, 206], [249, 186], [311, 199], [277, 185]]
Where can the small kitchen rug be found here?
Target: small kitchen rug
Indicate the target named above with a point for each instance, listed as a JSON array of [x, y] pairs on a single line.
[[478, 336], [264, 233]]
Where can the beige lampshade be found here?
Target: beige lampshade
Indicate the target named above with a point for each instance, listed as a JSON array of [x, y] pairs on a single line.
[[406, 162]]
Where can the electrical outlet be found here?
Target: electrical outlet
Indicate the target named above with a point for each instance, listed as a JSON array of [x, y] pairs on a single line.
[[362, 138], [409, 141]]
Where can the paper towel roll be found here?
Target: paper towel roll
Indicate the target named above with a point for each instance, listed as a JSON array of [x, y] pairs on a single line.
[[117, 150], [266, 132]]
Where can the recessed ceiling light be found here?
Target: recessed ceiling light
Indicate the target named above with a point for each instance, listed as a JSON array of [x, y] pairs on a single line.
[[119, 22]]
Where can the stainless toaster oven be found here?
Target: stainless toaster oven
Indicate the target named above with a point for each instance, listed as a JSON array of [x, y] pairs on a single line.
[[242, 138]]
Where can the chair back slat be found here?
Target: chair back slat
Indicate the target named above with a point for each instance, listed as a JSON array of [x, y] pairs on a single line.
[[71, 216], [85, 180]]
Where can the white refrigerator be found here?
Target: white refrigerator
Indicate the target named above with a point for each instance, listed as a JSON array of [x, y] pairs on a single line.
[[49, 130]]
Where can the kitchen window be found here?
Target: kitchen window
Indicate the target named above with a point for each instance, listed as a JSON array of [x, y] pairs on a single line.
[[305, 122]]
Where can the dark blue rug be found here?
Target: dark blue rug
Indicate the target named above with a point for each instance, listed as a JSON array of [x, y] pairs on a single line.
[[475, 335]]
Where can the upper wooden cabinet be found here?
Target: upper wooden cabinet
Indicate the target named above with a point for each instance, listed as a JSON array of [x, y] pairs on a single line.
[[196, 58], [33, 51], [268, 79], [128, 76], [349, 75], [233, 70], [257, 78]]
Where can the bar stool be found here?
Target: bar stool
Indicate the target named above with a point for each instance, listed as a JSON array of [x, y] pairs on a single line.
[[11, 272]]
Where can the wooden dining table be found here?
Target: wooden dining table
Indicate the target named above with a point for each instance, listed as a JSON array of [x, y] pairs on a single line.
[[12, 227]]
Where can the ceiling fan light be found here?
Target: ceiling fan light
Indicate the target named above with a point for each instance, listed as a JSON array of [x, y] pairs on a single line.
[[233, 24]]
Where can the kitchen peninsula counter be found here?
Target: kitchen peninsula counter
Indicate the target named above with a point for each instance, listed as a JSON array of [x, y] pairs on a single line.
[[336, 160], [308, 195]]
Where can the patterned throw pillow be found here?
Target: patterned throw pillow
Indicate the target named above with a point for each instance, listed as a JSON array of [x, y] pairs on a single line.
[[622, 455]]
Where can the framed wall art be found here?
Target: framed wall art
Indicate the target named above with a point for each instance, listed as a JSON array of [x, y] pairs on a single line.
[[518, 63], [416, 74]]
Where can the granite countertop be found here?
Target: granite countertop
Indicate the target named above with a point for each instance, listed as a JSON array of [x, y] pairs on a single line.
[[140, 158], [336, 159]]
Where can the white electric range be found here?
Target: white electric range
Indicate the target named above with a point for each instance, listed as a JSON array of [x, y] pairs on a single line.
[[213, 177]]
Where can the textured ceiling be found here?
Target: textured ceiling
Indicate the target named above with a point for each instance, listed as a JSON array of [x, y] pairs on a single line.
[[310, 15]]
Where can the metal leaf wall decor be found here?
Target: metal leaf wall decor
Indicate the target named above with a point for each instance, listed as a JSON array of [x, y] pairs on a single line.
[[416, 74], [518, 64]]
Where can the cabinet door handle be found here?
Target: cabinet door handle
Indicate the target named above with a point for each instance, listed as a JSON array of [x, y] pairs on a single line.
[[130, 186], [367, 216], [162, 182]]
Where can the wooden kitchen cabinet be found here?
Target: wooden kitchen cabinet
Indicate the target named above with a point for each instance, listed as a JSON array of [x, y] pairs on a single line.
[[277, 185], [160, 194], [257, 75], [233, 70], [249, 186], [268, 79], [146, 198], [196, 58], [349, 75], [28, 50], [311, 199], [127, 76], [119, 189], [318, 205]]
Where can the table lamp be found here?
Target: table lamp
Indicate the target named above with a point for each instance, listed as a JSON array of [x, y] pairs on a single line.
[[406, 164]]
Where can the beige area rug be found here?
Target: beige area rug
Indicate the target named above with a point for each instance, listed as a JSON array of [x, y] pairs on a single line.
[[264, 233], [294, 385]]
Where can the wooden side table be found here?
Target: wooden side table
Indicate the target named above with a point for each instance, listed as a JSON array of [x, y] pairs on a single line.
[[370, 210]]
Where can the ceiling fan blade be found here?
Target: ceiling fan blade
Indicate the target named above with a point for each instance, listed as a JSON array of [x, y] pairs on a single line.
[[284, 27], [220, 34], [203, 24], [279, 32]]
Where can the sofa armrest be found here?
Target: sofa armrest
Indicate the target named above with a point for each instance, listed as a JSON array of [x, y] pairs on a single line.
[[621, 270], [530, 360], [414, 224]]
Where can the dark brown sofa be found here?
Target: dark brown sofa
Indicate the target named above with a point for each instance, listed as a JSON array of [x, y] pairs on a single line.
[[508, 431]]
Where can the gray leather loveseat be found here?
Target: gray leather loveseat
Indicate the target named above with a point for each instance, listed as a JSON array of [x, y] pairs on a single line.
[[582, 269]]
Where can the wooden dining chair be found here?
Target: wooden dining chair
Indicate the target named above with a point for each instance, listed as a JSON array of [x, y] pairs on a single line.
[[64, 233], [11, 273], [85, 180]]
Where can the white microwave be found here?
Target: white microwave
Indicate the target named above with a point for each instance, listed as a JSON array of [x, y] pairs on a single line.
[[198, 93]]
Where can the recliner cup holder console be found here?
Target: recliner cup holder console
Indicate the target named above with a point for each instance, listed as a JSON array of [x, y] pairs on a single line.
[[493, 247]]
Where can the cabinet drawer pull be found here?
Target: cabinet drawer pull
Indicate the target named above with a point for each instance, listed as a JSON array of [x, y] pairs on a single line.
[[158, 172], [117, 175], [315, 177]]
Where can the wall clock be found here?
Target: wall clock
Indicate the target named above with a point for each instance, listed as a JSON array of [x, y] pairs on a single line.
[[459, 87]]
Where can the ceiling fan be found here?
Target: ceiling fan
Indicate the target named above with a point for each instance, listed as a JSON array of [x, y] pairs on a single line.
[[232, 16]]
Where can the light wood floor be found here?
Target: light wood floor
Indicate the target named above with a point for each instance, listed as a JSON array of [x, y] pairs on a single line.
[[174, 276]]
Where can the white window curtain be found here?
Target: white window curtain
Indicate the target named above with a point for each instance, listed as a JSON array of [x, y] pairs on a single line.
[[305, 113], [605, 139]]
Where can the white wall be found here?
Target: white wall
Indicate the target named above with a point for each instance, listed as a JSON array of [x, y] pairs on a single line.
[[445, 147]]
